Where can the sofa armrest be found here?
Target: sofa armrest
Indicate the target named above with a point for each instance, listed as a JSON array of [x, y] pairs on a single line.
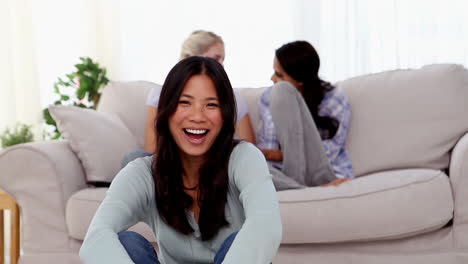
[[458, 173], [41, 176]]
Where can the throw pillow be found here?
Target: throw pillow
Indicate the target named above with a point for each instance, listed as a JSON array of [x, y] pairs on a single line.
[[99, 139]]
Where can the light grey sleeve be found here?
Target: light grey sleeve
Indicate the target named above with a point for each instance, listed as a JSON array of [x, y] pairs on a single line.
[[242, 108], [260, 236], [126, 203], [153, 96]]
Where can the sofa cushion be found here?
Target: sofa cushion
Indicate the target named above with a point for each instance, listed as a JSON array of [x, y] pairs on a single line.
[[98, 139], [406, 118], [128, 101], [388, 205], [380, 206], [81, 208]]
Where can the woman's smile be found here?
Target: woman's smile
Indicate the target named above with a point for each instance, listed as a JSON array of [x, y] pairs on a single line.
[[196, 136]]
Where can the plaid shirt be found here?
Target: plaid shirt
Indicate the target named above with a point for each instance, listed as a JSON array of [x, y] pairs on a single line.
[[334, 105]]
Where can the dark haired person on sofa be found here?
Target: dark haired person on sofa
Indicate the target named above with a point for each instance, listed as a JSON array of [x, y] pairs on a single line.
[[208, 197], [304, 122]]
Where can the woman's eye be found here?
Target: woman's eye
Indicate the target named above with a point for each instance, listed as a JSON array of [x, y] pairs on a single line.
[[212, 105], [182, 102]]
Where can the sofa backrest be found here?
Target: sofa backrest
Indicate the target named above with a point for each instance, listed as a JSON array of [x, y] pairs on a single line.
[[128, 101], [406, 118], [400, 119]]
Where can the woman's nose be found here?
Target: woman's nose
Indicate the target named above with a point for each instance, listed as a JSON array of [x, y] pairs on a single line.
[[197, 114]]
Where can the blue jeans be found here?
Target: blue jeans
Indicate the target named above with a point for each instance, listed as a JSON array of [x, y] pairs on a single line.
[[141, 251]]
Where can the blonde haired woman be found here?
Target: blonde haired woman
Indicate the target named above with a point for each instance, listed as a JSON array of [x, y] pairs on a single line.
[[203, 43], [199, 43]]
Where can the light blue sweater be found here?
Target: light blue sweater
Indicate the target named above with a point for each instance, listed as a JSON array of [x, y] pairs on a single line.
[[252, 209]]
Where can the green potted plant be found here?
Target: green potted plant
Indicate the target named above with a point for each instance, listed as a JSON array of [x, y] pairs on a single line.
[[81, 88], [21, 133]]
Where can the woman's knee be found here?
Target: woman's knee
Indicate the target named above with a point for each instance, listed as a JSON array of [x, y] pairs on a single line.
[[132, 239], [283, 92], [284, 88], [139, 249]]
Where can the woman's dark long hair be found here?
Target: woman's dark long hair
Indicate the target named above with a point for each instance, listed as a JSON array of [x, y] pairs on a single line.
[[167, 169], [300, 60]]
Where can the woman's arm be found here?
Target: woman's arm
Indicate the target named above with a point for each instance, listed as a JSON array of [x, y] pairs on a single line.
[[127, 202], [338, 108], [150, 132], [260, 236], [244, 129], [272, 154]]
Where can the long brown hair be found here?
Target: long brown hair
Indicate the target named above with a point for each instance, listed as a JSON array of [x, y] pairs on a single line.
[[172, 202]]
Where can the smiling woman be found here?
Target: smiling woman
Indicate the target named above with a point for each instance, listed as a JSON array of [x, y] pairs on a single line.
[[190, 191]]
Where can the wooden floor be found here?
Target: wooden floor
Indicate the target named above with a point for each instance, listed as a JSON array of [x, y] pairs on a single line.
[[8, 203]]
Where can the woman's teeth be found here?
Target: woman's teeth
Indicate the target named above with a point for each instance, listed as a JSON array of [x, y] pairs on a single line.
[[196, 131]]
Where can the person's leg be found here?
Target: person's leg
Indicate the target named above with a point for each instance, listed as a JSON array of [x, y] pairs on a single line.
[[304, 158], [134, 154], [138, 248], [283, 182], [223, 250]]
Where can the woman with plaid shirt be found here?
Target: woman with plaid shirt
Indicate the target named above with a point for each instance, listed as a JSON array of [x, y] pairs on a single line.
[[304, 122]]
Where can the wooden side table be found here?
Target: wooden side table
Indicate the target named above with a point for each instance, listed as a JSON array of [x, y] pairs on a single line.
[[8, 203]]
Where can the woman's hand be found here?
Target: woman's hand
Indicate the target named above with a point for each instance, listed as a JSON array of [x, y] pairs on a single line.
[[335, 182]]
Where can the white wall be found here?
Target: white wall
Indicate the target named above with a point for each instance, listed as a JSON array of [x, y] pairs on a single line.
[[41, 40]]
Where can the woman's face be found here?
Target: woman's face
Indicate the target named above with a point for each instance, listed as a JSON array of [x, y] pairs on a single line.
[[197, 120], [215, 51], [280, 75]]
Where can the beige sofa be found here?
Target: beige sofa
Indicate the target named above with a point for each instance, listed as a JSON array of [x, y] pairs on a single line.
[[409, 202]]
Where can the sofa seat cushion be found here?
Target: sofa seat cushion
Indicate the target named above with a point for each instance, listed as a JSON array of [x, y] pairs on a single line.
[[379, 206], [81, 208]]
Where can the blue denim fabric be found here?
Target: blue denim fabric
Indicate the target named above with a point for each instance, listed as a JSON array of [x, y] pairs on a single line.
[[138, 248], [223, 250], [141, 251], [134, 154]]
